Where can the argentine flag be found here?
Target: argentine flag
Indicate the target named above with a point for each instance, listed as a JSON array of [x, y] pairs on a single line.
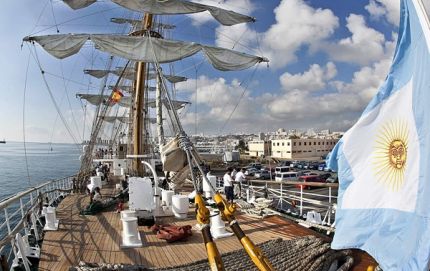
[[383, 161]]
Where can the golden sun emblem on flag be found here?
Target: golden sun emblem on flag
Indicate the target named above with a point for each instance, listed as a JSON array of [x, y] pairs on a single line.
[[391, 153]]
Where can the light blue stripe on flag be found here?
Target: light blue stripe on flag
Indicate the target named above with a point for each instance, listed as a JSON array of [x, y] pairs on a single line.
[[383, 161]]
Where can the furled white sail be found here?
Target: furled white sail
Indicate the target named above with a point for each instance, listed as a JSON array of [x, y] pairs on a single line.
[[112, 119], [146, 49], [138, 23], [129, 74], [77, 4], [97, 73], [96, 99], [129, 89], [225, 17], [172, 7], [176, 104], [61, 46], [228, 60]]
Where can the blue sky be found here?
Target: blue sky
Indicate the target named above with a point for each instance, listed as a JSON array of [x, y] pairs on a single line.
[[327, 59]]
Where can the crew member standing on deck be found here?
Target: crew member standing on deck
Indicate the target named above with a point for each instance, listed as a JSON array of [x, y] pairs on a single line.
[[228, 185], [233, 173], [240, 178]]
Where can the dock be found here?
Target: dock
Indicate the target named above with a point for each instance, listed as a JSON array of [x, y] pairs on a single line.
[[97, 239]]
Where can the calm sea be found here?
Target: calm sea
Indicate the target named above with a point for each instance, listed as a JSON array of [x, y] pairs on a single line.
[[45, 162]]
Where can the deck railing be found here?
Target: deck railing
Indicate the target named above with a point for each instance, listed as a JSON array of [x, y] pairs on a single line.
[[16, 211], [296, 198]]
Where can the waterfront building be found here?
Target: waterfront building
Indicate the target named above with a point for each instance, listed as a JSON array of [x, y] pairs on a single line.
[[302, 148], [259, 148]]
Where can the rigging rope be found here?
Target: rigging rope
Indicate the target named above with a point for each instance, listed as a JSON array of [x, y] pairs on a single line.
[[238, 102], [66, 79], [73, 19], [40, 15], [68, 101], [23, 122], [308, 253], [53, 16], [35, 56]]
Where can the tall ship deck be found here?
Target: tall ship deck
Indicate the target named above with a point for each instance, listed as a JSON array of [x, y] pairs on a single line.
[[97, 239]]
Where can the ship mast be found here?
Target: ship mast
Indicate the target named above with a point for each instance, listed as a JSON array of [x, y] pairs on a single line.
[[139, 127], [159, 108]]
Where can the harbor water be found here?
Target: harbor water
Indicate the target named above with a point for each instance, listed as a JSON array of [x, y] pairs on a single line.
[[45, 162]]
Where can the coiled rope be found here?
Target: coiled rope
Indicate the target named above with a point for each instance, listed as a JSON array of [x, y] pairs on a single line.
[[305, 253]]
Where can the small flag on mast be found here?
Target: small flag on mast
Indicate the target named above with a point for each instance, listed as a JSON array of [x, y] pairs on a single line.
[[116, 96], [383, 161]]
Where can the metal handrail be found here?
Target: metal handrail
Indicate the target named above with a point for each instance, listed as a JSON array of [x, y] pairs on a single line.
[[316, 184], [26, 203], [6, 202], [280, 191]]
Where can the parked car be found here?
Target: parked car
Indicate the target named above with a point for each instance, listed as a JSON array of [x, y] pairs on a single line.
[[283, 164], [308, 179], [313, 165], [321, 167], [286, 176], [282, 169], [251, 171], [294, 163], [332, 179], [300, 164], [325, 176], [262, 174], [306, 173], [256, 165], [306, 165], [326, 169], [303, 172], [270, 169]]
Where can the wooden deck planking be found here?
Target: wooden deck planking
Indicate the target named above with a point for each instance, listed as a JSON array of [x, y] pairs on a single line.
[[97, 239]]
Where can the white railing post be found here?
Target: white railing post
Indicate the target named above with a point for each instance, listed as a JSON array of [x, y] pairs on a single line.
[[301, 200], [329, 206], [6, 216], [21, 206], [266, 192], [12, 243], [282, 197]]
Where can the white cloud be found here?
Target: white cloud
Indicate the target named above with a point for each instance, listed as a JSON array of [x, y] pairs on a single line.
[[366, 81], [313, 79], [342, 106], [390, 9], [296, 24], [363, 47], [217, 99], [237, 37], [337, 105]]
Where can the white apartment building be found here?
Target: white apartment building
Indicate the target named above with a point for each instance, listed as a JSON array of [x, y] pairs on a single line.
[[259, 148], [301, 148]]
